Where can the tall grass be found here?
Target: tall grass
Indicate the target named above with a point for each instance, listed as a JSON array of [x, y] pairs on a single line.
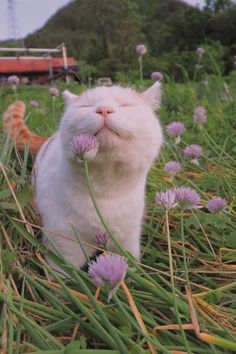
[[44, 313]]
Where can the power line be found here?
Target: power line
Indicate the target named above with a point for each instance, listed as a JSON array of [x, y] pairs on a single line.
[[13, 32]]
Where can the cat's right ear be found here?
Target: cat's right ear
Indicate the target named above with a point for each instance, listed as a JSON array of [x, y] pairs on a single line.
[[153, 95], [69, 96]]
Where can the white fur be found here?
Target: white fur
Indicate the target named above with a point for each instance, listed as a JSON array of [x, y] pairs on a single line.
[[130, 139]]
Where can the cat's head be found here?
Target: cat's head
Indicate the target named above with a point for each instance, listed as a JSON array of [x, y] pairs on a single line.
[[122, 119]]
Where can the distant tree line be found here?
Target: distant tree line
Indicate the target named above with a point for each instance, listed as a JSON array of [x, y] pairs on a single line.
[[103, 34]]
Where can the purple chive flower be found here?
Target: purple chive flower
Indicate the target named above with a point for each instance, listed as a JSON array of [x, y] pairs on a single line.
[[102, 239], [175, 130], [200, 115], [172, 167], [193, 151], [216, 204], [186, 198], [54, 91], [166, 200], [200, 51], [141, 49], [34, 104], [156, 75], [108, 271], [13, 80], [182, 197], [84, 147]]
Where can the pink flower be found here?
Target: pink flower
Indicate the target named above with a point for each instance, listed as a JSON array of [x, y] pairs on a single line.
[[156, 75], [200, 115], [101, 239], [166, 200], [13, 80], [172, 167], [34, 104], [186, 198], [54, 91], [108, 271], [200, 51], [84, 147], [216, 204], [141, 49], [175, 129], [193, 151], [181, 197]]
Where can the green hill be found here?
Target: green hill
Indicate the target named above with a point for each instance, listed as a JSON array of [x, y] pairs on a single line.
[[103, 34]]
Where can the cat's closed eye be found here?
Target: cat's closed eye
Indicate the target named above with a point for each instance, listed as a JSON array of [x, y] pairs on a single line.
[[125, 105], [85, 106]]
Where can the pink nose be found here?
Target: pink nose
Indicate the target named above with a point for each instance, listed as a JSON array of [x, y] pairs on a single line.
[[104, 110]]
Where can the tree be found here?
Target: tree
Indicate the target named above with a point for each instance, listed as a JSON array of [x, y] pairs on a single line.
[[105, 33], [218, 5]]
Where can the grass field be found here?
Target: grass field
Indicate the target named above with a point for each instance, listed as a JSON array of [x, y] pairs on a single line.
[[181, 298]]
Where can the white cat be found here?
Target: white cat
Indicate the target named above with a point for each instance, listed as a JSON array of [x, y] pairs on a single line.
[[130, 138]]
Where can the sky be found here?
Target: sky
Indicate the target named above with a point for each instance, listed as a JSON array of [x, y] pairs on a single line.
[[32, 14]]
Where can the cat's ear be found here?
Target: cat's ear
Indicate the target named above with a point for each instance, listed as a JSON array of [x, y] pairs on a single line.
[[68, 96], [153, 95]]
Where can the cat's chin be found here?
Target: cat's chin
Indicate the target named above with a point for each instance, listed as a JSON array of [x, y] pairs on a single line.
[[107, 137], [105, 130]]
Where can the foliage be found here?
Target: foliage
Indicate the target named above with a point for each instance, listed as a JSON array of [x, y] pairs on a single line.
[[104, 34], [218, 5], [44, 313]]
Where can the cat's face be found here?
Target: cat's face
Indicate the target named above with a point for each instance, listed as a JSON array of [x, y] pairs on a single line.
[[122, 120]]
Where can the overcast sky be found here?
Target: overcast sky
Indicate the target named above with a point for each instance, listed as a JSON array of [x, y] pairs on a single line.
[[32, 14]]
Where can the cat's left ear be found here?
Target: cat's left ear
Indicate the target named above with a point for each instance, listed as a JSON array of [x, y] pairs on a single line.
[[69, 96], [153, 95]]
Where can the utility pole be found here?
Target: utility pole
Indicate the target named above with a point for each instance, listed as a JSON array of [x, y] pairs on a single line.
[[13, 31], [65, 61], [13, 27]]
